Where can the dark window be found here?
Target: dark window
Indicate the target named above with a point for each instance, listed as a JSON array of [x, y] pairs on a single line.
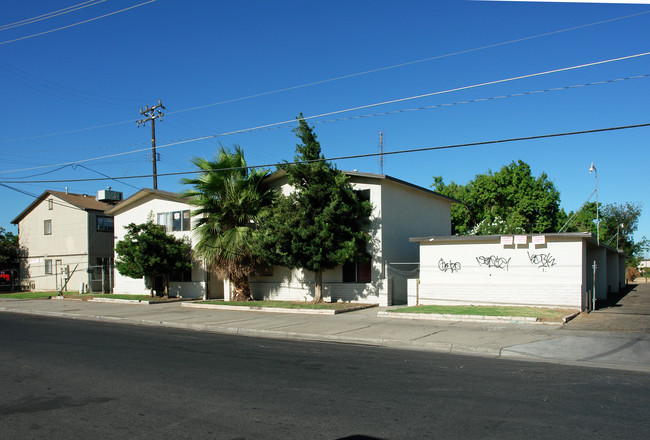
[[186, 221], [358, 271], [104, 224], [48, 266], [177, 221], [179, 277], [363, 195], [47, 227]]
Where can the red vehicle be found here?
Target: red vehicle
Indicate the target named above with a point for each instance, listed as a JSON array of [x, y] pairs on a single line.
[[5, 276]]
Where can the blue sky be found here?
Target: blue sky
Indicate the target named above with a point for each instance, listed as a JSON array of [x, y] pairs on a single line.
[[75, 94]]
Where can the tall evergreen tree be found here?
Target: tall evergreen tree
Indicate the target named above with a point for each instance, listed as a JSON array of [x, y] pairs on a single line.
[[322, 223]]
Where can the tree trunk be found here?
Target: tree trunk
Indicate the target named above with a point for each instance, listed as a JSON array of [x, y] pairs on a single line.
[[318, 287], [242, 289]]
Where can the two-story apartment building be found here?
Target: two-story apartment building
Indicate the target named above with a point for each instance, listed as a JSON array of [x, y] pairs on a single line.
[[66, 241], [172, 212], [400, 210]]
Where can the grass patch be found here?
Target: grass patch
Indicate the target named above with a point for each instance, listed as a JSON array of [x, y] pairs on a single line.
[[286, 304], [525, 312], [117, 296], [31, 295], [27, 295]]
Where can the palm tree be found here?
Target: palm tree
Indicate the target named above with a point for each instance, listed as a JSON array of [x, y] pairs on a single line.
[[229, 198]]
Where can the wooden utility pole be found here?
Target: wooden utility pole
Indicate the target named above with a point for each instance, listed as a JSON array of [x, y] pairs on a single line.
[[381, 152], [151, 114]]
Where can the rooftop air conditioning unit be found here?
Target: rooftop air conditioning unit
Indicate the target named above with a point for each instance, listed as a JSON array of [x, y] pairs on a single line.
[[107, 195]]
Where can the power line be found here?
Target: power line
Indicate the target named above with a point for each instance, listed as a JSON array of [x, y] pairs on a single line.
[[279, 124], [408, 63], [361, 156], [35, 196], [349, 118], [107, 176], [339, 77], [51, 14], [76, 24]]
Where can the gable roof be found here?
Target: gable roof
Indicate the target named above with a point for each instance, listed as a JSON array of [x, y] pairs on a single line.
[[82, 201], [282, 173], [143, 193]]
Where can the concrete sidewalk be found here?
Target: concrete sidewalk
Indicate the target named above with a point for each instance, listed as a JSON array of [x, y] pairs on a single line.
[[604, 338]]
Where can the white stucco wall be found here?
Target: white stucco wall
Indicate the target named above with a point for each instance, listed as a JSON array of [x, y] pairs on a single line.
[[400, 211], [408, 212], [139, 213], [487, 272]]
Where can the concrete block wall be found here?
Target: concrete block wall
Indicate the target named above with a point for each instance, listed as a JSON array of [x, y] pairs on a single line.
[[488, 272]]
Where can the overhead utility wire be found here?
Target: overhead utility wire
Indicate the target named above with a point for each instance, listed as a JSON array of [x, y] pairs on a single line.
[[547, 72], [107, 176], [408, 63], [349, 118], [51, 14], [361, 156], [340, 77], [470, 101], [27, 193], [275, 125], [76, 24]]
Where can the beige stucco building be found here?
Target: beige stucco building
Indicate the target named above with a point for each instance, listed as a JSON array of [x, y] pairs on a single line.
[[66, 242]]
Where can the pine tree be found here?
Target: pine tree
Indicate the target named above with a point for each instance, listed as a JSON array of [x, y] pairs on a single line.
[[322, 223]]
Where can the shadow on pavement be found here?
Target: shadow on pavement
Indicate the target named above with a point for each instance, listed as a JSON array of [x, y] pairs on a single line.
[[615, 299]]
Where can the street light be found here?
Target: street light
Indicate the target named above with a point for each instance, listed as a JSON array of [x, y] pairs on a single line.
[[617, 227], [592, 169]]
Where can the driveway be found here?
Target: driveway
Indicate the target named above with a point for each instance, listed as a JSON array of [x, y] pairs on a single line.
[[627, 312]]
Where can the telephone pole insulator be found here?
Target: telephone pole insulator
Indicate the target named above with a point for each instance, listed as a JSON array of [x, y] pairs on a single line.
[[152, 113]]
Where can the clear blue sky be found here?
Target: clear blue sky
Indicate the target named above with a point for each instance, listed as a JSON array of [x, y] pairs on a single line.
[[75, 94]]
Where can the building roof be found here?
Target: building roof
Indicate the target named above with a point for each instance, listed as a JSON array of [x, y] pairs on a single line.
[[143, 193], [82, 201], [588, 236], [436, 238], [282, 173]]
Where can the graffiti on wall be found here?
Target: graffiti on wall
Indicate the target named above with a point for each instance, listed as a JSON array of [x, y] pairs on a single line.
[[493, 261], [542, 261], [453, 266]]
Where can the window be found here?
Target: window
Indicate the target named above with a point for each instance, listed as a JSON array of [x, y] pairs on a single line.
[[50, 204], [363, 195], [179, 277], [358, 271], [104, 224], [48, 266], [47, 227], [174, 221], [186, 221]]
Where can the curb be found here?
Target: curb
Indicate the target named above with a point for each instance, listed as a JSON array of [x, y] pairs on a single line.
[[467, 318], [440, 347], [278, 309], [123, 301]]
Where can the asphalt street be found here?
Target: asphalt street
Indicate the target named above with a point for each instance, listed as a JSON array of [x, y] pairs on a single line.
[[64, 378], [617, 335]]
